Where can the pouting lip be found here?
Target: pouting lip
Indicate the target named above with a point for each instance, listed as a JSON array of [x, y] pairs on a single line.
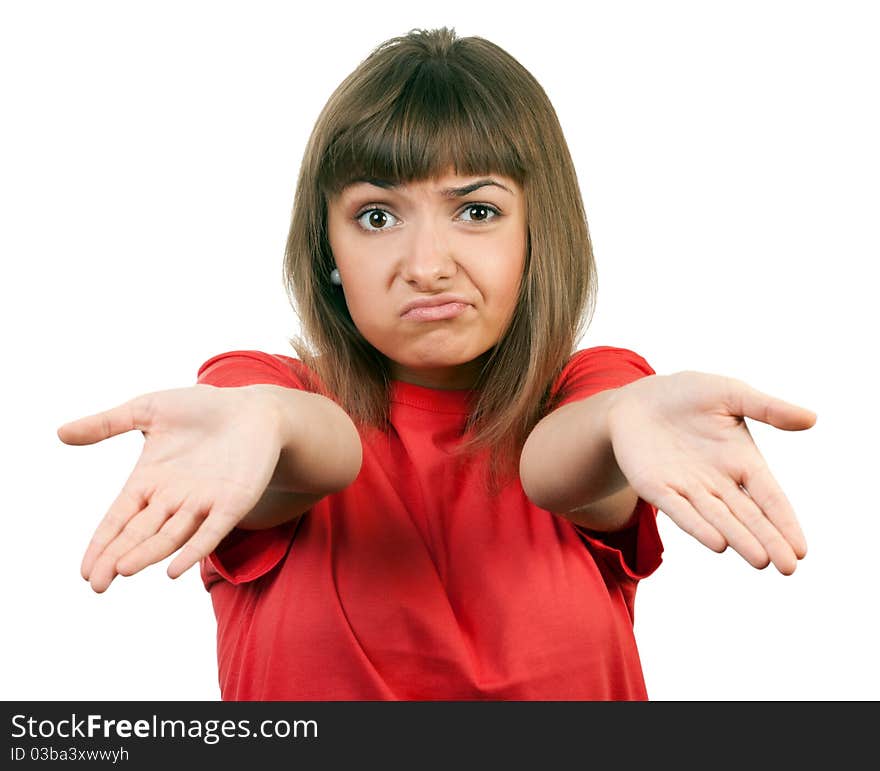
[[437, 299]]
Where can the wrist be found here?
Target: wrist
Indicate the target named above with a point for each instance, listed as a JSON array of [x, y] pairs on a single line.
[[320, 446], [271, 399], [620, 396]]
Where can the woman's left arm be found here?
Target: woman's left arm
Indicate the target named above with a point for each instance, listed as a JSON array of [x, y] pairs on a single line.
[[681, 443]]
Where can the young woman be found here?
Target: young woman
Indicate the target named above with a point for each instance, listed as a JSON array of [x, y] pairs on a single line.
[[439, 497]]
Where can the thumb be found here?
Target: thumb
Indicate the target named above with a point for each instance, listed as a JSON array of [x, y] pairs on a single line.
[[100, 426], [752, 403]]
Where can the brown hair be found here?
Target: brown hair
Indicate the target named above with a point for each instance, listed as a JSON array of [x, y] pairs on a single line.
[[417, 106]]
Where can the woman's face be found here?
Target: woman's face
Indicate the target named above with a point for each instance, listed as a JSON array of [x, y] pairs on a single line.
[[423, 241]]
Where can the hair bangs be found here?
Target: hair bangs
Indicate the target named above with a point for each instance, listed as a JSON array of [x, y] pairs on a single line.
[[437, 122]]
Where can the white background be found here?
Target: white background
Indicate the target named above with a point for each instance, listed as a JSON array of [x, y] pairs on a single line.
[[728, 159]]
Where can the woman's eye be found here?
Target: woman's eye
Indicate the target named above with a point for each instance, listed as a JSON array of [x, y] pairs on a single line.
[[375, 220], [483, 209]]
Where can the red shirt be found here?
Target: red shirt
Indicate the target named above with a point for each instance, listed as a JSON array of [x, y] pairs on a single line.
[[412, 584]]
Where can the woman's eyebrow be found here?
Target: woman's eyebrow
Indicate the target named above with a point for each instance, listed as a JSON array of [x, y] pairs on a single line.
[[449, 192]]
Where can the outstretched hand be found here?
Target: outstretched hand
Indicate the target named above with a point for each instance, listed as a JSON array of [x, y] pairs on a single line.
[[209, 453], [683, 444]]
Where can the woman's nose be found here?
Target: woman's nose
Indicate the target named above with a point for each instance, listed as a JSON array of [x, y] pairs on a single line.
[[427, 256]]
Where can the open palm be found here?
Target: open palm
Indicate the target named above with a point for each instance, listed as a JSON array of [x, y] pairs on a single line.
[[683, 444], [209, 454]]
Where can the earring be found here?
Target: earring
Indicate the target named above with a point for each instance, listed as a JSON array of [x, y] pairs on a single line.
[[335, 278]]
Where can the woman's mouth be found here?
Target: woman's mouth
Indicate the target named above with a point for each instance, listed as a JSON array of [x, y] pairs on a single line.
[[436, 312]]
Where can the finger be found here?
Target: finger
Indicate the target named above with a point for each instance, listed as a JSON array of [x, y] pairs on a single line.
[[102, 425], [141, 531], [207, 537], [746, 510], [127, 504], [750, 402], [716, 512], [680, 511], [767, 494], [168, 538], [136, 530]]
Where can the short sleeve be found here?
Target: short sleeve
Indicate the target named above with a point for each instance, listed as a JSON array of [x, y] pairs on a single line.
[[592, 370], [245, 555], [242, 368], [635, 551]]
